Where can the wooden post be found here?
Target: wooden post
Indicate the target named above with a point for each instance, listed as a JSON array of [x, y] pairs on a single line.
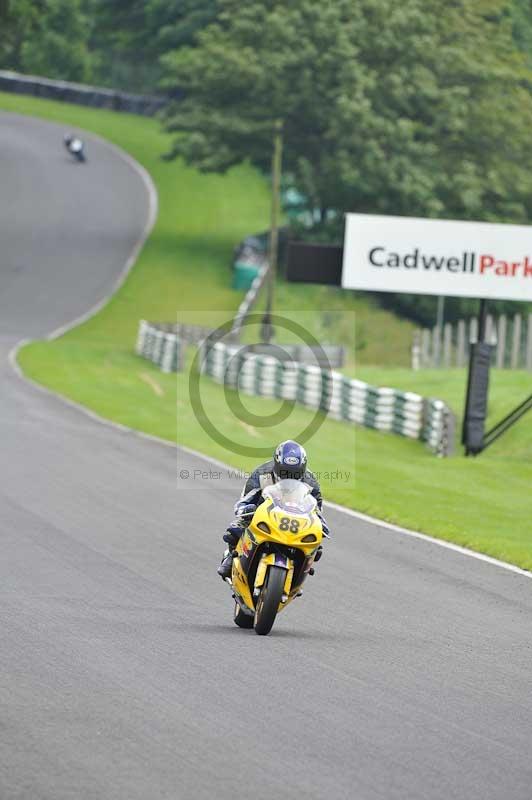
[[435, 347], [529, 343], [447, 342], [425, 348], [501, 342], [516, 342], [491, 331], [460, 344], [416, 350], [473, 330]]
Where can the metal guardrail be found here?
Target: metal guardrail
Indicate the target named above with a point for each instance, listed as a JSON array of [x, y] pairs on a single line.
[[80, 93]]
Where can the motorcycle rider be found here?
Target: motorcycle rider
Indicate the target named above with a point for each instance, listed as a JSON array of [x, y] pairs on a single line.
[[74, 145], [289, 461]]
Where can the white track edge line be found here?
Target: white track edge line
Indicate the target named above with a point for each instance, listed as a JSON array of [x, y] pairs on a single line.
[[389, 526], [152, 216]]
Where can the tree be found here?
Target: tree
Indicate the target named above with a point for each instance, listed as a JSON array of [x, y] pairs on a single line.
[[176, 23], [130, 35], [46, 37], [521, 16], [393, 108], [58, 47], [19, 22]]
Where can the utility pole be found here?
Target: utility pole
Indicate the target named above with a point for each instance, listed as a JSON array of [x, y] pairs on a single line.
[[277, 159]]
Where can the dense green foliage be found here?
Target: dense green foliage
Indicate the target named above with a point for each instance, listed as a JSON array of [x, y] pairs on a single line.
[[45, 37], [387, 108], [521, 15], [129, 36], [116, 44]]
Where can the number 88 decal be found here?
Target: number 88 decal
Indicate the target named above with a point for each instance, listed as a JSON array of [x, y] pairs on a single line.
[[287, 524]]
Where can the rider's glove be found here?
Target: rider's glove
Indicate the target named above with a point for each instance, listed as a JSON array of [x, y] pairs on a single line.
[[233, 534]]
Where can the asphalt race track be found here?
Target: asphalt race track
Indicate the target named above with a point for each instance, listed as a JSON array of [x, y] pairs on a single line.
[[404, 672]]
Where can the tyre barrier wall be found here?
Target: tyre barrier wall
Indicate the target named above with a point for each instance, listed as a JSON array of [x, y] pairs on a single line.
[[384, 409], [342, 398], [162, 347], [80, 93]]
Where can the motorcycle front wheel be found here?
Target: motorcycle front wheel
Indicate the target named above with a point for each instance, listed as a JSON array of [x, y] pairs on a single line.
[[241, 619], [269, 600]]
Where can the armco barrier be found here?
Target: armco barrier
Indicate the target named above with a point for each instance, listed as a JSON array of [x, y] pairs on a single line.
[[163, 348], [343, 398], [80, 93]]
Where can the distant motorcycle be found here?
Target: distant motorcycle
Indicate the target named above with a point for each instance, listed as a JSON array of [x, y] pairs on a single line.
[[75, 147]]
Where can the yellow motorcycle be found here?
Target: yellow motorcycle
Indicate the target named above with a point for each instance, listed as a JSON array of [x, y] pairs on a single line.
[[275, 554]]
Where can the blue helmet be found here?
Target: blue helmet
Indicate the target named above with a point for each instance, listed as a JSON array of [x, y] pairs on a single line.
[[289, 461]]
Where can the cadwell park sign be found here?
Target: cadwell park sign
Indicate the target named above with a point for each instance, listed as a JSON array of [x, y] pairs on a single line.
[[437, 257]]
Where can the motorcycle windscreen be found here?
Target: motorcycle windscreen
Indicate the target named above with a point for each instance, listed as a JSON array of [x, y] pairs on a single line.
[[291, 496]]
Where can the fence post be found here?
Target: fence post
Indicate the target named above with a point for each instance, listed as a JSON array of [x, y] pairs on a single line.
[[491, 331], [473, 330], [436, 347], [516, 342], [460, 344], [425, 347], [529, 343], [416, 350], [447, 344], [501, 342]]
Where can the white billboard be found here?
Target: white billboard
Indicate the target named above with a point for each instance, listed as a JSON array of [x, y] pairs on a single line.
[[441, 257]]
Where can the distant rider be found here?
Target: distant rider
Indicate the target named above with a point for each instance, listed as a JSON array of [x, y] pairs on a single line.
[[74, 145], [289, 461]]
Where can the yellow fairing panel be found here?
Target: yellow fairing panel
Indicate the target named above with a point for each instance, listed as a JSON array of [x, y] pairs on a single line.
[[268, 523]]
